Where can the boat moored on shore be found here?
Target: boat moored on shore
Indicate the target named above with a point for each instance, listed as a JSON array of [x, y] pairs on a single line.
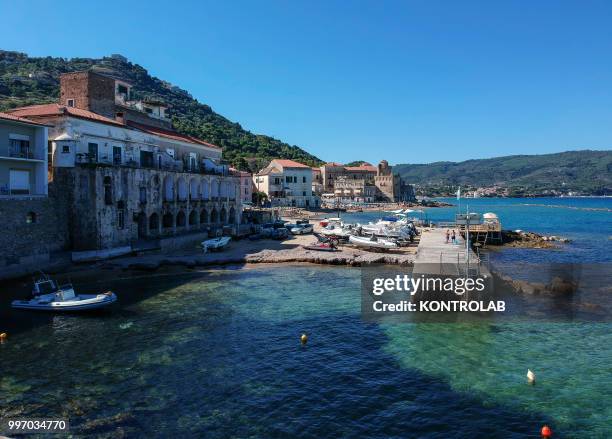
[[216, 243], [372, 242]]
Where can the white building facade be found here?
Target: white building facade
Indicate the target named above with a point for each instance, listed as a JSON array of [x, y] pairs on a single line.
[[287, 183], [23, 157]]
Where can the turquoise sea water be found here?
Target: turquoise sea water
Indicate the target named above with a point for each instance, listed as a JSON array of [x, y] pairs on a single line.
[[216, 353], [586, 221]]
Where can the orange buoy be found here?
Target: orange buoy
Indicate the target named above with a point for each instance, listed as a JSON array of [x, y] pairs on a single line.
[[3, 336], [546, 431]]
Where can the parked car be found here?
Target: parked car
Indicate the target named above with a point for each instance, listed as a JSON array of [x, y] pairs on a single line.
[[301, 229], [280, 233]]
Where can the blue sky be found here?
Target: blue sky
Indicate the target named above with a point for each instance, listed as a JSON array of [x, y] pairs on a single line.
[[409, 81]]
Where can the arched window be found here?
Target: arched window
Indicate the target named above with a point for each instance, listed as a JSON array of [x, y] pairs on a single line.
[[232, 215], [168, 188], [203, 216], [194, 189], [154, 223], [205, 190], [108, 190], [180, 219], [214, 216], [182, 189], [223, 215], [168, 221], [120, 214], [193, 218], [214, 191]]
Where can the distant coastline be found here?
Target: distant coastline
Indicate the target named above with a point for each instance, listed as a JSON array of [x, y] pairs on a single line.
[[442, 197]]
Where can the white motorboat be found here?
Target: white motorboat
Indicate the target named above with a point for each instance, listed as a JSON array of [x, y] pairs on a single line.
[[336, 230], [47, 296], [216, 243], [385, 229], [372, 242]]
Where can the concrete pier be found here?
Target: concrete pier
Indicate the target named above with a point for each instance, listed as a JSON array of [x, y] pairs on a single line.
[[436, 257]]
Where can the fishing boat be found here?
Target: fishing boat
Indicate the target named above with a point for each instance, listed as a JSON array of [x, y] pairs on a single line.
[[372, 242], [48, 296], [216, 243]]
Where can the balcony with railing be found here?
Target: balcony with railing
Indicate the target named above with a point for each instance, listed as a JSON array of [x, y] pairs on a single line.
[[21, 150], [164, 162]]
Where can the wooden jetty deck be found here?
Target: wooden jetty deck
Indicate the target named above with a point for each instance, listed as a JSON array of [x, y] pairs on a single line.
[[436, 257]]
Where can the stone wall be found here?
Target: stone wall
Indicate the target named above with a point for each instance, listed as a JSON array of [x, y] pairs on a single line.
[[388, 187], [116, 206], [34, 227], [90, 91]]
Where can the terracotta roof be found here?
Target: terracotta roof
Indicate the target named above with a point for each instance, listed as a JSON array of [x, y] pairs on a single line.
[[289, 163], [363, 168], [269, 170], [169, 134], [14, 118], [61, 110], [332, 164]]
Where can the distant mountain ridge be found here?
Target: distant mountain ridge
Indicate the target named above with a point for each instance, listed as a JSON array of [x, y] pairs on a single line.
[[28, 80], [580, 172]]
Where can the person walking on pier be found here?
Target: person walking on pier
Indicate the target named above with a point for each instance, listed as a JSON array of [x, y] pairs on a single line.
[[447, 235], [454, 237]]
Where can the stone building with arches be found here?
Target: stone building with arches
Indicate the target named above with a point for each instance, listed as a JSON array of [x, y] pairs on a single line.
[[116, 206], [131, 177]]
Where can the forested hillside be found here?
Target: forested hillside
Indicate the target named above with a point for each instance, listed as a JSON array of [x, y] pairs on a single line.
[[28, 80], [586, 172]]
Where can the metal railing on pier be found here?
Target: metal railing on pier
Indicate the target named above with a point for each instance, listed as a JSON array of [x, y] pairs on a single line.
[[457, 263]]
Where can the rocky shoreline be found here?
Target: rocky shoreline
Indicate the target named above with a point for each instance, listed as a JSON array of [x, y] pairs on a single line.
[[346, 257], [556, 287], [523, 239]]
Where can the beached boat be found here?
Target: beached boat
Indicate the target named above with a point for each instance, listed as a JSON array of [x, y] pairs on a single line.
[[47, 296], [372, 242], [216, 243], [383, 230], [336, 231], [330, 221], [321, 246]]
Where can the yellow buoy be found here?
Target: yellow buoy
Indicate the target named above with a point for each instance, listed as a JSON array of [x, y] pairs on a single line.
[[3, 336], [304, 338]]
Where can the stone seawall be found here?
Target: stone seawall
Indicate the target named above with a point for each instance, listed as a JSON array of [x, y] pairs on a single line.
[[33, 229]]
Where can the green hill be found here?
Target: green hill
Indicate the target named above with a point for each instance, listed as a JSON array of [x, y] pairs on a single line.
[[584, 172], [28, 80]]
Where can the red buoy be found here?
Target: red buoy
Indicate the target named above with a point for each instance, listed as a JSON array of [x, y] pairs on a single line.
[[546, 431]]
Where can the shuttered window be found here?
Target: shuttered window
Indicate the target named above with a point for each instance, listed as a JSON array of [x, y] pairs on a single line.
[[19, 181]]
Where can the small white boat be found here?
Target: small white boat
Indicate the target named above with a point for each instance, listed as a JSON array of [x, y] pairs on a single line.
[[216, 243], [336, 231], [47, 296], [372, 242]]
